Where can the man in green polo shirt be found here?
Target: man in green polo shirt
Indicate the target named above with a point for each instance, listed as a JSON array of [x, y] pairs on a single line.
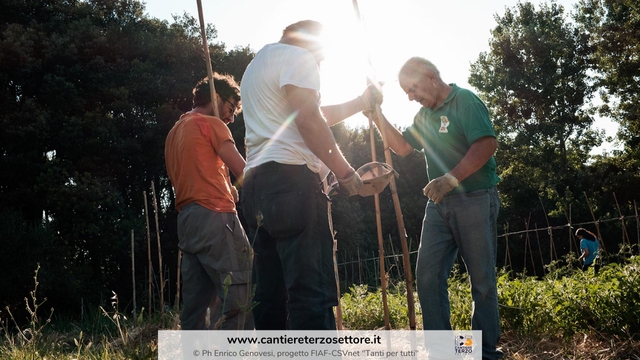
[[453, 130]]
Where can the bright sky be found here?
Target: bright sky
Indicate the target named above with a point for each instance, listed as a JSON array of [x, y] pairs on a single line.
[[449, 33]]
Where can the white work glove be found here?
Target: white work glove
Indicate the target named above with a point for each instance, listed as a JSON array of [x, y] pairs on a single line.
[[437, 188], [350, 185]]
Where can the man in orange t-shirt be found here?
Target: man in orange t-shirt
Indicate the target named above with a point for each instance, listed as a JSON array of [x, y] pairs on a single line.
[[216, 262]]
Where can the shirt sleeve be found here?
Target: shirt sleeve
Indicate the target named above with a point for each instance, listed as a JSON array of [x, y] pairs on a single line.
[[218, 133], [413, 135], [477, 122]]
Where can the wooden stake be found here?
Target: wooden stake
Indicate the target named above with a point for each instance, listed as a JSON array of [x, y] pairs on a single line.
[[571, 237], [544, 271], [178, 282], [161, 269], [176, 316], [625, 235], [207, 59], [325, 186], [402, 232], [396, 204], [335, 271], [146, 215], [528, 245], [359, 267], [552, 247], [376, 200], [507, 258], [526, 241], [635, 206], [133, 278], [596, 222], [383, 273]]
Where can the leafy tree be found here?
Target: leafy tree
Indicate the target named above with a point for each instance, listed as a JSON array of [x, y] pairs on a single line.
[[535, 80], [613, 29], [89, 91]]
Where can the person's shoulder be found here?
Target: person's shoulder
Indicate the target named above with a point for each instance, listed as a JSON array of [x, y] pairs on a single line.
[[284, 48], [269, 47], [215, 121], [203, 118], [465, 95], [460, 91]]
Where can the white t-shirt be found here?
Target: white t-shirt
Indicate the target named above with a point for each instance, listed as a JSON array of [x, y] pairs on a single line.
[[271, 134]]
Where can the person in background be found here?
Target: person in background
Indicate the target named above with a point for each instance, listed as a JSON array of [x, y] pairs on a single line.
[[589, 247], [454, 131], [216, 262], [290, 150]]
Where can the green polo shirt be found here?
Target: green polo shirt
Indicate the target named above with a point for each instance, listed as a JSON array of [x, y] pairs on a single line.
[[446, 133]]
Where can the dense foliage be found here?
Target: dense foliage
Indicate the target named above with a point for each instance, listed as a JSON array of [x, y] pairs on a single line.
[[535, 82], [562, 303], [540, 80], [89, 90]]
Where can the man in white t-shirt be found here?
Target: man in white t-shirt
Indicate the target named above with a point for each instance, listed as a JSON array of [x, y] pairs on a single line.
[[290, 149]]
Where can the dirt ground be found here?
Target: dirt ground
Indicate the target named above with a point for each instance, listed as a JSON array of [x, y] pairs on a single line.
[[579, 347]]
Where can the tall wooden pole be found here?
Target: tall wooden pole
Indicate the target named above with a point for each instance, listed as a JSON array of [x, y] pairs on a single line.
[[146, 216], [161, 270], [207, 59], [326, 189], [635, 206], [376, 201], [552, 245], [507, 258], [178, 281], [133, 277], [533, 263], [396, 203], [596, 222], [625, 235], [402, 232], [383, 272], [540, 249]]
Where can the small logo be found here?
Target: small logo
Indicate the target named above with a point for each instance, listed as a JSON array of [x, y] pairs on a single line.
[[463, 344], [444, 124]]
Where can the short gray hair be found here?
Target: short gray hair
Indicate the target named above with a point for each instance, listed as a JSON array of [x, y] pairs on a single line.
[[414, 68]]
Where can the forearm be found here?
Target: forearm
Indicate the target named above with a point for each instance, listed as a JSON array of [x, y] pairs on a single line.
[[319, 139], [585, 253], [479, 153], [232, 158], [315, 131], [336, 113], [395, 139]]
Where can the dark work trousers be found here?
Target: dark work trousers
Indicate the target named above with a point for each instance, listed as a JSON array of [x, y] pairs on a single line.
[[215, 250], [288, 225]]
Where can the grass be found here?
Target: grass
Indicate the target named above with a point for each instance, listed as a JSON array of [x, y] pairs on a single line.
[[103, 335], [567, 314]]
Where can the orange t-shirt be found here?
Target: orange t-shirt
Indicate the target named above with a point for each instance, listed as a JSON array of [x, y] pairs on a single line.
[[194, 167]]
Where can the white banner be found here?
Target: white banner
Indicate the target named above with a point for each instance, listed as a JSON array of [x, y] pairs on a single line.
[[329, 345]]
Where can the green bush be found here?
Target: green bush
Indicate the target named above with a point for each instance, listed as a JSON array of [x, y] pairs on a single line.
[[564, 302], [363, 310], [573, 302]]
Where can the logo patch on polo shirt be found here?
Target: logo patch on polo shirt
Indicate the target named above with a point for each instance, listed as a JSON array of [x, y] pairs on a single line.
[[444, 124]]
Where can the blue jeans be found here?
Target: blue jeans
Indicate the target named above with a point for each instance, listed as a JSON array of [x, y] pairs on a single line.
[[462, 223], [288, 223]]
